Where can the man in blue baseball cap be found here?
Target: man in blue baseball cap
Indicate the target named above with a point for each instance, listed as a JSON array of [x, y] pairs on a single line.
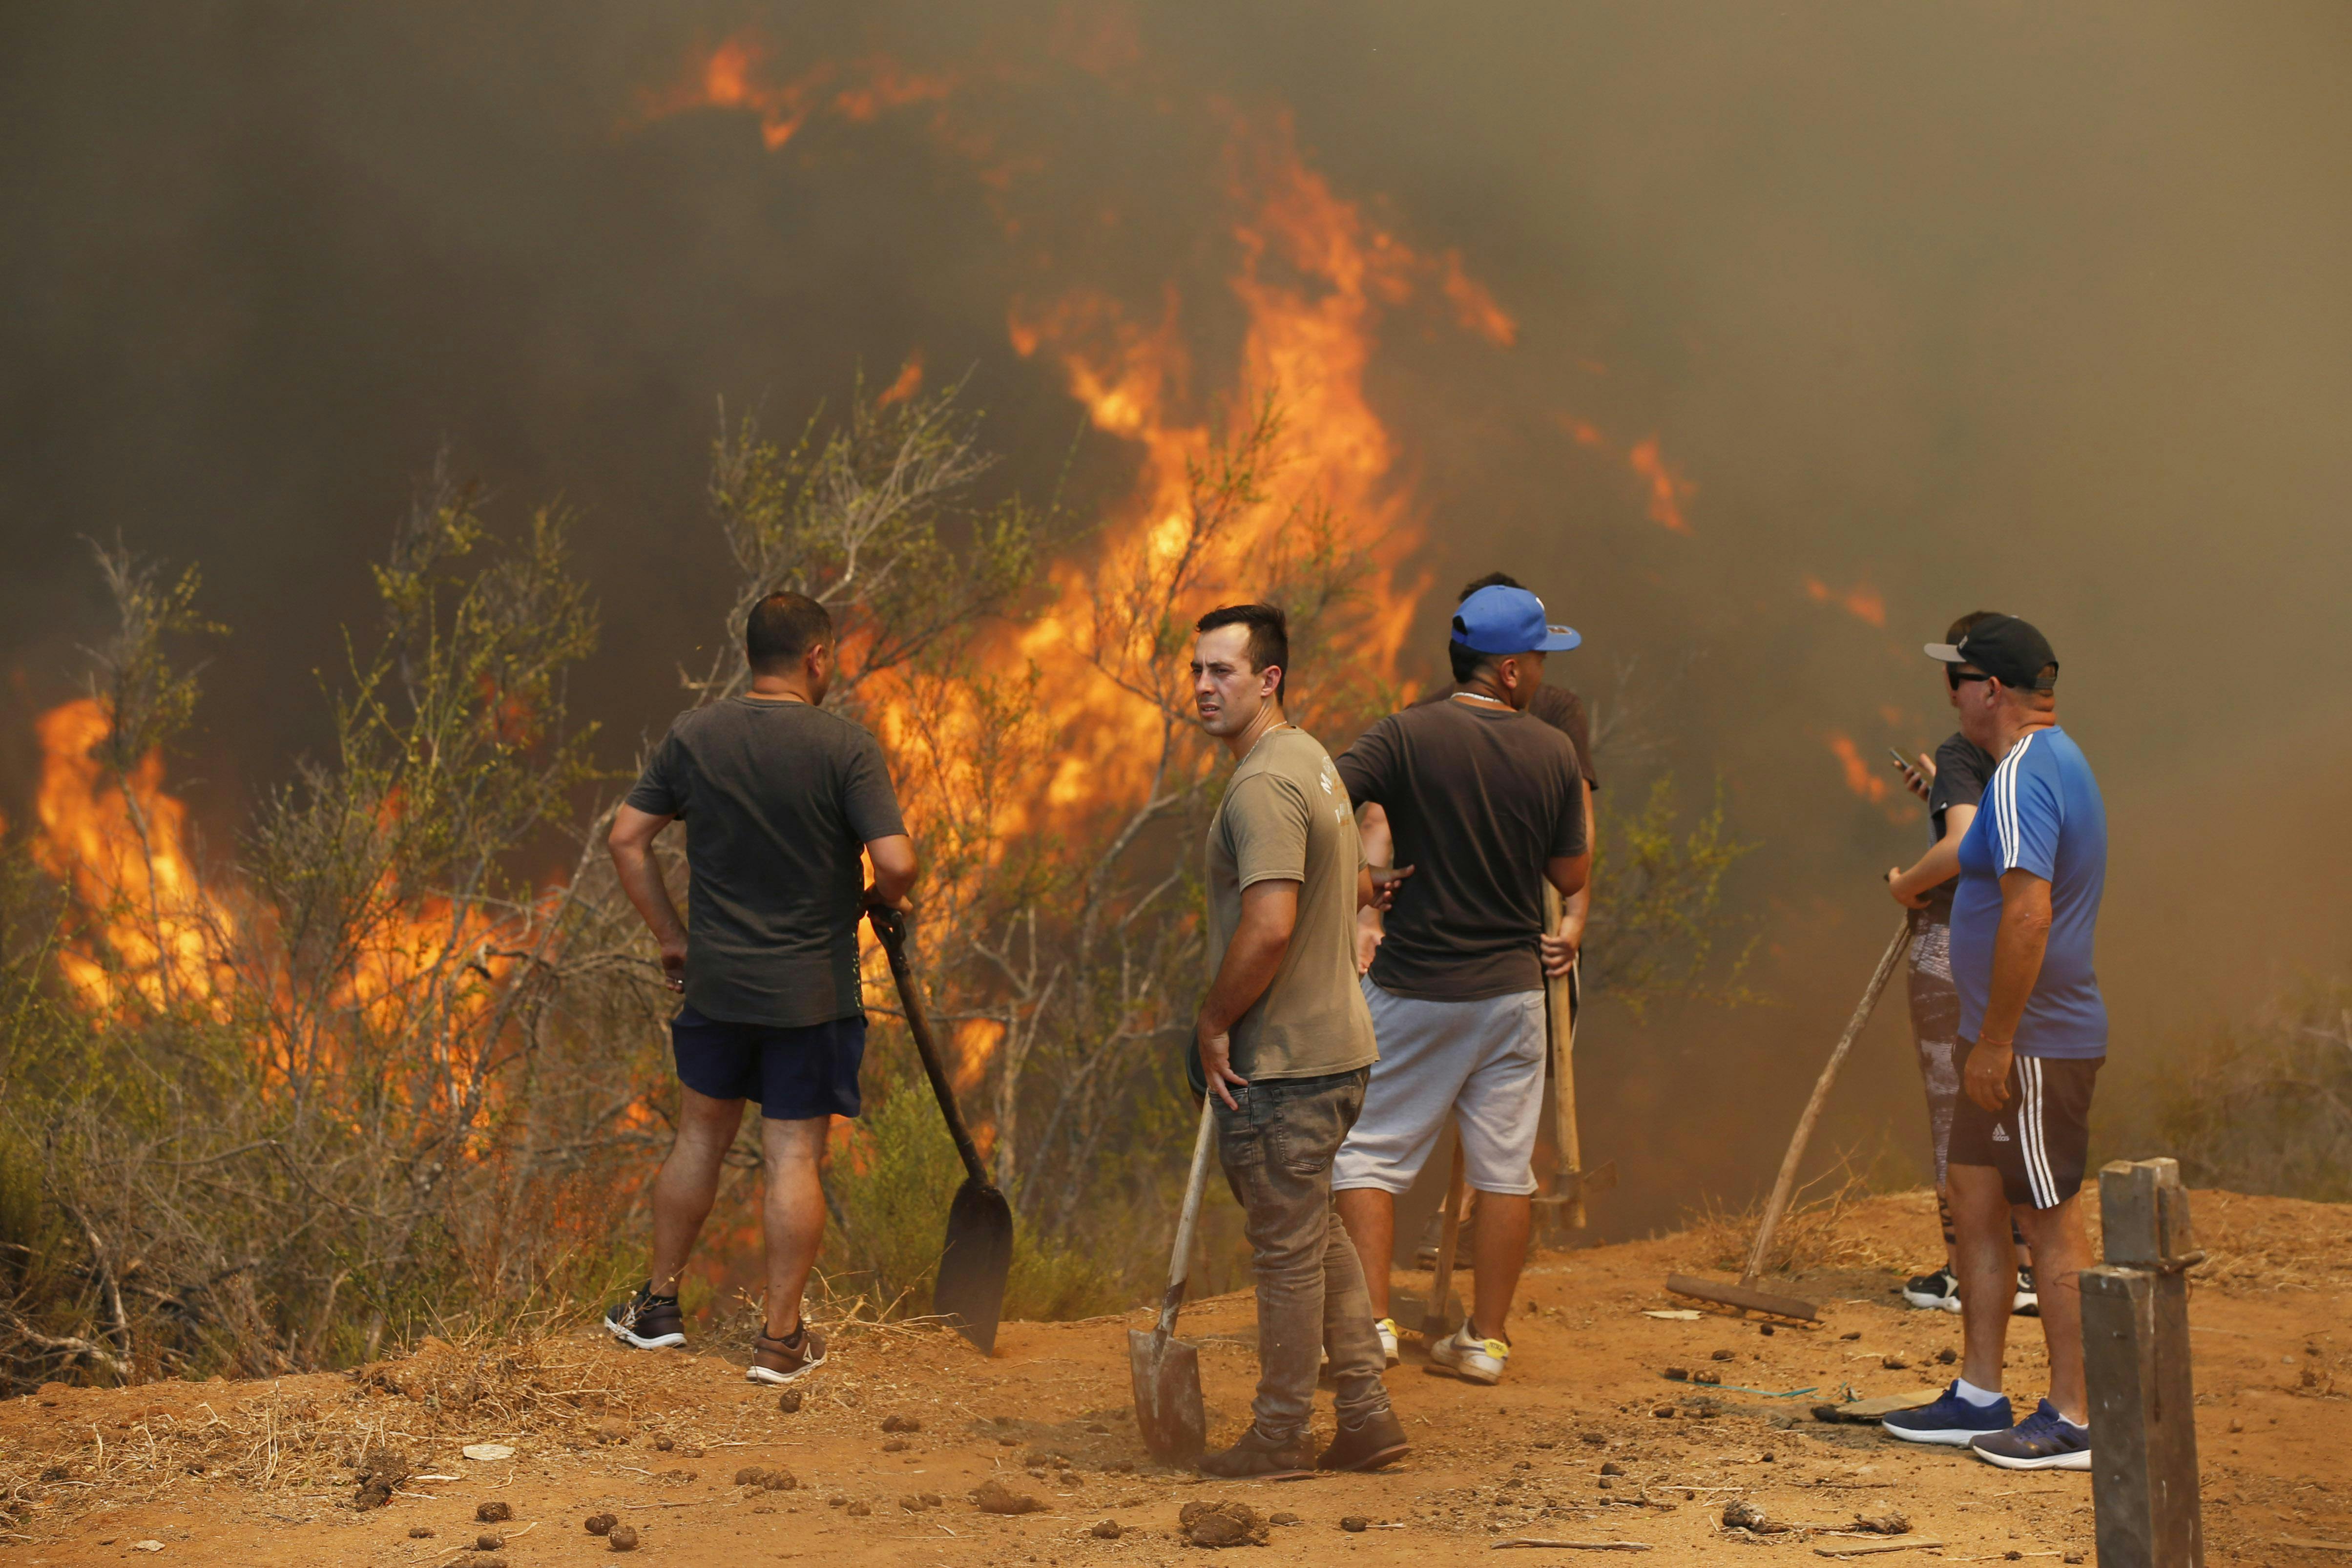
[[1486, 802]]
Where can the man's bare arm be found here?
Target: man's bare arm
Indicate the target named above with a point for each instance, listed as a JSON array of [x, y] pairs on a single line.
[[894, 864], [1936, 868], [1380, 848], [631, 843], [2017, 952], [1269, 914]]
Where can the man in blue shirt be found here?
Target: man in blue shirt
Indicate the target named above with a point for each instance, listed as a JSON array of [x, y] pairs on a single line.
[[2034, 1028]]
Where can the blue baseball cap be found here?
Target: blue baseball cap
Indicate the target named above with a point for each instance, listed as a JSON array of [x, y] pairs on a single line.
[[1500, 620]]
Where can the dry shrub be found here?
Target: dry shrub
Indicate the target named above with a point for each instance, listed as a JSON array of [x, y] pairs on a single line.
[[1817, 1234]]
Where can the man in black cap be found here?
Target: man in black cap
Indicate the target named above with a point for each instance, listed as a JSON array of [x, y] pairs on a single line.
[[2034, 1030]]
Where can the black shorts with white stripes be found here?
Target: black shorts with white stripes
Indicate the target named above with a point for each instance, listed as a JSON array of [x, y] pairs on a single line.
[[2039, 1139]]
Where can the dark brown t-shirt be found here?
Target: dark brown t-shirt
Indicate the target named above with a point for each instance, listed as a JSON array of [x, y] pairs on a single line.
[[778, 800], [1478, 798], [1562, 709]]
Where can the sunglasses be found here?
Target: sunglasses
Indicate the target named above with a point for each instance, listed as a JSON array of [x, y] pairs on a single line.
[[1955, 678]]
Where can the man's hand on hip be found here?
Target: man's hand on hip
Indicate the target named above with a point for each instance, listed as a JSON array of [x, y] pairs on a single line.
[[1987, 1074], [1217, 1066]]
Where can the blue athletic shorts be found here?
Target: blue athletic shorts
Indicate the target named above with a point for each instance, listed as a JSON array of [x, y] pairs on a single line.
[[794, 1074]]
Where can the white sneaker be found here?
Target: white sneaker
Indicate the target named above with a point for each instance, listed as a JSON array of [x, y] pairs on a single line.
[[1387, 1328], [1465, 1356]]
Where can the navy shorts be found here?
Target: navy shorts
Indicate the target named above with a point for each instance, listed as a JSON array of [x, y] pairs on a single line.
[[794, 1074], [2040, 1139]]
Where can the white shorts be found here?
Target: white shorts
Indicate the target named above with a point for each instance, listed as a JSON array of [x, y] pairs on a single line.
[[1482, 1062]]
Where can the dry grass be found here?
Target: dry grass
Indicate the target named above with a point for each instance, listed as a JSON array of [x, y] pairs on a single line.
[[1815, 1234], [303, 1439]]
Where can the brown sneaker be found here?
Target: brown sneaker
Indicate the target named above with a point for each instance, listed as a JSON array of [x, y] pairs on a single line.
[[1375, 1441], [1260, 1457], [649, 1321], [785, 1359]]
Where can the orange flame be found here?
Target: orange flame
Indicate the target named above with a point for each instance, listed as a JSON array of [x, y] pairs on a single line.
[[1860, 776], [151, 931], [1668, 490], [909, 382], [1862, 601]]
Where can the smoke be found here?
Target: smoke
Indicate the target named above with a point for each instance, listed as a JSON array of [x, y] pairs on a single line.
[[1827, 324]]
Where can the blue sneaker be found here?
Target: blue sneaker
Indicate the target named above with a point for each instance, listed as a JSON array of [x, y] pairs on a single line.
[[2044, 1440], [1951, 1420]]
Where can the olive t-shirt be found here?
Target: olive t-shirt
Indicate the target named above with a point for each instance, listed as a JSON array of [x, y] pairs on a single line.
[[1478, 798], [779, 799], [1285, 816]]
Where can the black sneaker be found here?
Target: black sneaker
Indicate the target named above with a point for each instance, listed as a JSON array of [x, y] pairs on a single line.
[[1939, 1291], [649, 1321], [1263, 1458], [2027, 1303], [1375, 1441]]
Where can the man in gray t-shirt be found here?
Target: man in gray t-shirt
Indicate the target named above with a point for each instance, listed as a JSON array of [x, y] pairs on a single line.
[[781, 800]]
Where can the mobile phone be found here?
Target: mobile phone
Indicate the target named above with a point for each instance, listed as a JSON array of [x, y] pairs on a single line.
[[1900, 759]]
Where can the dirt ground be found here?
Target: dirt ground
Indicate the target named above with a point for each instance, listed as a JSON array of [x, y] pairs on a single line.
[[1586, 1441]]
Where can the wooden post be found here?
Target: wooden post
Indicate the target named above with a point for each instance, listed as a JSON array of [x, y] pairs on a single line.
[[1560, 1018], [2135, 1357]]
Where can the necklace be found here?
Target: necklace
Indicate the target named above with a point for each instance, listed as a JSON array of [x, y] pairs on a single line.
[[1482, 697]]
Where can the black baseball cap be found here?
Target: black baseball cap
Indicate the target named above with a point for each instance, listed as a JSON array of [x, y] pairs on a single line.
[[2011, 651]]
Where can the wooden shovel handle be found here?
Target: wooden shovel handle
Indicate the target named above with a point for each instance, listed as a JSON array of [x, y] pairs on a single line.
[[890, 929], [1180, 1261]]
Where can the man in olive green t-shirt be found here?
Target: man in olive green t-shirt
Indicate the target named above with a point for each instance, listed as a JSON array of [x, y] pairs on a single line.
[[1285, 1046]]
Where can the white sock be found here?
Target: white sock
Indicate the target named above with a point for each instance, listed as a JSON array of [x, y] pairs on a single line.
[[1979, 1397]]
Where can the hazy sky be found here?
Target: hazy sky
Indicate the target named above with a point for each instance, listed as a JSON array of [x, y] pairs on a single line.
[[1931, 308]]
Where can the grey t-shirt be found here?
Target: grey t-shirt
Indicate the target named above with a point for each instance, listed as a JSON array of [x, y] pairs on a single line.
[[1963, 769], [778, 799]]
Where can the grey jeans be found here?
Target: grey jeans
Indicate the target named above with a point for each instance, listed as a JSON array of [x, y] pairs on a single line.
[[1276, 1150]]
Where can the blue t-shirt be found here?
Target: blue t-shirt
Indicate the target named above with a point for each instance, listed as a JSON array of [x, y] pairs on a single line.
[[2042, 814]]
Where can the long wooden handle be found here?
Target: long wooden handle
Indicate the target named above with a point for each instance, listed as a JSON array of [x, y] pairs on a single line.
[[1180, 1260], [1449, 1236], [891, 927], [1888, 962], [1560, 1018]]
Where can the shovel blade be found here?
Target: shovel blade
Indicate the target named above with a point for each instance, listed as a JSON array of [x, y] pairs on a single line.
[[1166, 1374], [969, 1293]]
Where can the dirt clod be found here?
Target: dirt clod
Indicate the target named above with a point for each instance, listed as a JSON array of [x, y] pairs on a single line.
[[622, 1538], [599, 1523], [901, 1424], [1597, 1439], [1612, 1468], [420, 1533], [1894, 1360], [493, 1514], [1284, 1518], [1764, 1328], [1225, 1522], [664, 1443], [859, 1510], [1355, 1524], [1887, 1522], [1745, 1515], [56, 1473], [489, 1541], [1105, 1530], [1712, 1379], [895, 1446], [1664, 1411], [1851, 1334], [379, 1477], [1948, 1355], [995, 1496], [763, 1479], [1722, 1355], [486, 1560], [788, 1401]]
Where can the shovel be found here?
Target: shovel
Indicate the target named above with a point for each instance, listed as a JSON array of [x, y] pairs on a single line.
[[970, 1293], [1165, 1371]]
